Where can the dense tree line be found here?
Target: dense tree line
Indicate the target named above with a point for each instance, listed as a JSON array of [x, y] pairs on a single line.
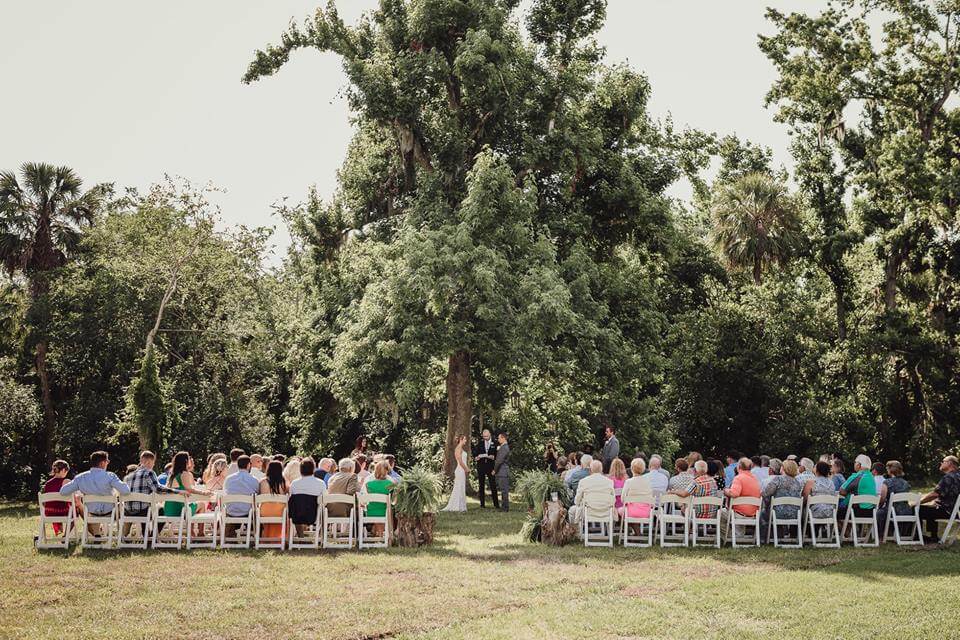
[[502, 252]]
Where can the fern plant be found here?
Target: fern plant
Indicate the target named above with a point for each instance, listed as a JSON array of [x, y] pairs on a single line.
[[536, 486], [418, 493]]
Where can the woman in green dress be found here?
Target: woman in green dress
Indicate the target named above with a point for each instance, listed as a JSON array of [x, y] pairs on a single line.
[[381, 483], [181, 480]]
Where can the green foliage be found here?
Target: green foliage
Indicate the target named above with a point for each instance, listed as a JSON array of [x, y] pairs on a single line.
[[536, 487], [418, 492], [146, 403]]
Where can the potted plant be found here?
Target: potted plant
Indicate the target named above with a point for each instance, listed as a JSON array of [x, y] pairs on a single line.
[[547, 499], [417, 498]]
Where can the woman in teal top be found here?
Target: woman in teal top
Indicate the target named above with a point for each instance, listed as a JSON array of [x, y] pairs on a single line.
[[382, 484]]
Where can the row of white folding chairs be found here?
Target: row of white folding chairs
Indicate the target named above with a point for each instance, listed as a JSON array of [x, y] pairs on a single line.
[[207, 529], [677, 521]]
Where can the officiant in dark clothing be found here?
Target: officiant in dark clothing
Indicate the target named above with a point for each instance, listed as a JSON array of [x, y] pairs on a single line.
[[484, 453]]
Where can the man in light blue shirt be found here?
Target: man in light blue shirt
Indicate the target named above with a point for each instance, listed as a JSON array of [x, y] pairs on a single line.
[[730, 471], [574, 477], [240, 483], [96, 482]]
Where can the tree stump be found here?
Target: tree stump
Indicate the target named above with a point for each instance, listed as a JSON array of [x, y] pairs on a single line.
[[554, 528], [414, 531]]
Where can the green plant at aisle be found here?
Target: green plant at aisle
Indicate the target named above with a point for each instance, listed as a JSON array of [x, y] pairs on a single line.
[[418, 493], [535, 488]]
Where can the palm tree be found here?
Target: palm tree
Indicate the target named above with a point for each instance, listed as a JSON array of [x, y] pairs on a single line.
[[41, 218], [755, 223]]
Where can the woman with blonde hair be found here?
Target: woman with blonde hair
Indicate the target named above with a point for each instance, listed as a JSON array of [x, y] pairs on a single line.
[[208, 470], [618, 473], [639, 483], [783, 485], [380, 483], [291, 471]]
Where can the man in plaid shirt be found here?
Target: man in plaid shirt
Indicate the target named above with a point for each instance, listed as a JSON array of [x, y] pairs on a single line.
[[702, 485], [143, 480]]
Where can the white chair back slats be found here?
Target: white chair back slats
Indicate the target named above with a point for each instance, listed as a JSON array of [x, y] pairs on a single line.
[[339, 530], [671, 513], [202, 522], [135, 528], [778, 525], [597, 517], [241, 527], [260, 541], [47, 537], [952, 522], [168, 530], [822, 531], [736, 520], [311, 533], [631, 497], [907, 529], [105, 521], [853, 522], [364, 539], [706, 522]]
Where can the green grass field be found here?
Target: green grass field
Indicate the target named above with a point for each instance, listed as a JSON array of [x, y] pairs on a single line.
[[479, 580]]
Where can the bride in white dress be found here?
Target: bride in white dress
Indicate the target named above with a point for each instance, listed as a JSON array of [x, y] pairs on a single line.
[[458, 497]]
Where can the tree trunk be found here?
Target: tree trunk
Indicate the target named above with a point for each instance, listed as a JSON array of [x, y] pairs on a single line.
[[459, 406], [46, 397], [841, 313], [757, 267], [890, 272], [414, 531]]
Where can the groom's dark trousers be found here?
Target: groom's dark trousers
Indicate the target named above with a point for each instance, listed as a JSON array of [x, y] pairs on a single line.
[[485, 475]]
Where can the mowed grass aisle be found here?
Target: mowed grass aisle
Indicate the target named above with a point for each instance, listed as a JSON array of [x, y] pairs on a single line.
[[478, 581]]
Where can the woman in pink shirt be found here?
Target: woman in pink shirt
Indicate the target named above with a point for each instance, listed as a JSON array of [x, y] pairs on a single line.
[[638, 484], [618, 473]]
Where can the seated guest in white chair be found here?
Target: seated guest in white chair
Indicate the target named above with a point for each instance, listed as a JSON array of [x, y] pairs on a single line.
[[658, 476], [241, 483], [596, 481], [638, 483], [939, 503], [343, 482], [702, 485], [304, 492], [578, 473], [142, 480], [96, 482]]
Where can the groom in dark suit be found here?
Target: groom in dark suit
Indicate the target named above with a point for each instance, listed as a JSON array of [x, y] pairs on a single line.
[[501, 469], [484, 453]]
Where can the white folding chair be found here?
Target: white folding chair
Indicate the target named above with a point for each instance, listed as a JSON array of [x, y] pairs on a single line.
[[775, 522], [827, 524], [365, 540], [706, 522], [634, 496], [953, 520], [244, 524], [735, 519], [108, 520], [171, 536], [134, 531], [671, 514], [338, 524], [207, 539], [912, 519], [598, 509], [311, 534], [853, 522], [67, 522], [259, 540]]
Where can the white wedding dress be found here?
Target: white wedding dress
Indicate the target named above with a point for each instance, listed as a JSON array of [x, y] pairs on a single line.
[[458, 497]]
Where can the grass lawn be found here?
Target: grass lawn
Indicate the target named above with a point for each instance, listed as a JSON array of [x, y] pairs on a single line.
[[479, 580]]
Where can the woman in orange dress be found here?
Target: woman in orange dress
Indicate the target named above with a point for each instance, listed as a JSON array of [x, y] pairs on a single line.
[[273, 484]]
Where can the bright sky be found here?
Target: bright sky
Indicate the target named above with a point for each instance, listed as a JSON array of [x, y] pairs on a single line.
[[126, 91]]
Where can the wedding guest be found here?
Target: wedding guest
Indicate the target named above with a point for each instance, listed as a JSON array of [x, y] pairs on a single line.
[[562, 467], [128, 472], [291, 471], [658, 477], [208, 470], [550, 458], [274, 485], [683, 476], [96, 482], [730, 470], [304, 492], [392, 461], [181, 479], [782, 485], [821, 485], [58, 478], [241, 483], [379, 483], [744, 485], [715, 469], [143, 480], [859, 483], [163, 477], [256, 466], [656, 464], [360, 464], [806, 471], [343, 482], [217, 474], [576, 475], [638, 483], [837, 470], [611, 447], [325, 469], [595, 481], [234, 454], [879, 482], [618, 473], [893, 485], [761, 468], [701, 485], [939, 503]]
